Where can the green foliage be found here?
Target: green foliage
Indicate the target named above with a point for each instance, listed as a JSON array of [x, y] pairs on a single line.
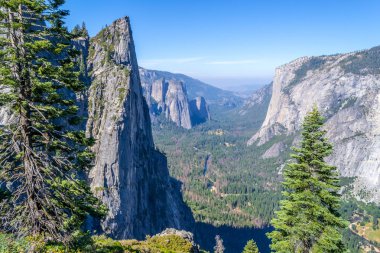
[[244, 196], [358, 212], [80, 31], [102, 244], [308, 219], [42, 157], [375, 222], [122, 92], [98, 244], [169, 243], [363, 63], [251, 247], [8, 244]]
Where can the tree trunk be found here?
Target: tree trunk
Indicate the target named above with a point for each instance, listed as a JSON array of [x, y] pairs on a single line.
[[22, 75]]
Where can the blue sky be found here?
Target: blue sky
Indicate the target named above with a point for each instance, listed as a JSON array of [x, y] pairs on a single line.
[[234, 42]]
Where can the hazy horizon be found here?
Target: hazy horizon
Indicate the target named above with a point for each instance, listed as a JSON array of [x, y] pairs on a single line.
[[227, 43]]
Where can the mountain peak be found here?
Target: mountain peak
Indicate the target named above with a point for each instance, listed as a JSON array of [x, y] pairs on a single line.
[[115, 43], [130, 176]]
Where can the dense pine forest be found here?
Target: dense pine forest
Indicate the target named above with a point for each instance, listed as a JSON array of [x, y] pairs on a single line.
[[214, 165]]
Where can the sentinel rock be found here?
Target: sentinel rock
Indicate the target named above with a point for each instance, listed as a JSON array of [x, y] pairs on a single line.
[[130, 176], [168, 96], [346, 89]]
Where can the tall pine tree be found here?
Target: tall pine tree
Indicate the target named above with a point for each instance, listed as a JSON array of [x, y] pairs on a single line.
[[251, 247], [308, 220], [41, 156]]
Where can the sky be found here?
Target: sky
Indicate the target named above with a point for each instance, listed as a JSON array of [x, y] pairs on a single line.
[[234, 42]]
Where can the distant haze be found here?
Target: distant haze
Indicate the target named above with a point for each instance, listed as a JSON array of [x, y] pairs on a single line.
[[227, 43], [237, 84]]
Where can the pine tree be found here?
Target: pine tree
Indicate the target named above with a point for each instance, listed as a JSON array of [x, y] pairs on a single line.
[[219, 247], [251, 247], [80, 31], [84, 31], [41, 156], [76, 31], [308, 220]]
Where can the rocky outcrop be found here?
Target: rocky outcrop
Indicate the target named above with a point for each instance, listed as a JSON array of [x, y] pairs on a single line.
[[169, 97], [130, 176], [82, 44], [199, 111], [6, 116], [274, 151], [346, 89], [183, 234]]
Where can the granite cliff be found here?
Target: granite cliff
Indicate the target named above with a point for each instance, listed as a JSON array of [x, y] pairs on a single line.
[[259, 100], [168, 96], [130, 175], [196, 88], [346, 89]]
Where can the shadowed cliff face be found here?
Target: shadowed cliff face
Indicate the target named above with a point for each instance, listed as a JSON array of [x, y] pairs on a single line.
[[346, 88], [129, 175]]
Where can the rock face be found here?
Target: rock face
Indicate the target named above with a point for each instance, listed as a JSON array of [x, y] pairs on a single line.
[[5, 116], [258, 100], [274, 151], [346, 89], [199, 111], [130, 176], [169, 97], [194, 88]]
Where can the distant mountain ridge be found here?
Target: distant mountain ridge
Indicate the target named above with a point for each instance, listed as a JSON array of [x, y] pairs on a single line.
[[196, 88], [244, 91]]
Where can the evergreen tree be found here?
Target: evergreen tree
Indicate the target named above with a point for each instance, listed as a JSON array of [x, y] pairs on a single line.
[[219, 247], [76, 31], [41, 156], [375, 222], [308, 220], [251, 247], [80, 31], [84, 31]]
